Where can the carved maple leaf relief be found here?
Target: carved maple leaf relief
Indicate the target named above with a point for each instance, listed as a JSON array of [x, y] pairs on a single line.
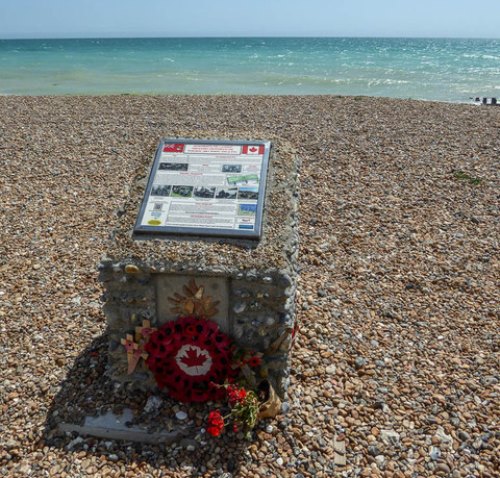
[[193, 360], [193, 301]]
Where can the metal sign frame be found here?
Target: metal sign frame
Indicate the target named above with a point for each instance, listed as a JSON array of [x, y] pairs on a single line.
[[176, 230]]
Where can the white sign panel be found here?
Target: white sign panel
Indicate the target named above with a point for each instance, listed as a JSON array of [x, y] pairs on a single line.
[[206, 188]]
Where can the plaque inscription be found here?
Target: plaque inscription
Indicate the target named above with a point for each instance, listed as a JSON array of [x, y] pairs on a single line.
[[206, 187]]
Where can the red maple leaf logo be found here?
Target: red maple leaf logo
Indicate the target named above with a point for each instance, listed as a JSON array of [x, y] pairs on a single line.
[[253, 149], [173, 148], [193, 358]]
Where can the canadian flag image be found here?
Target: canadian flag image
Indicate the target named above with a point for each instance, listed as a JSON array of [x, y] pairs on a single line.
[[173, 148], [251, 149]]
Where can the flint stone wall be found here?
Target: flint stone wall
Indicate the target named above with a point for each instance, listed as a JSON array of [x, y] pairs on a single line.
[[254, 282]]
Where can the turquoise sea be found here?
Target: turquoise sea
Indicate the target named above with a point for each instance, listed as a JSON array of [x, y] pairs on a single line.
[[432, 69]]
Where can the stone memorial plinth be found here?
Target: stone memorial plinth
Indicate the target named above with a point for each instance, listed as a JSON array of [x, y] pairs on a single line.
[[245, 285]]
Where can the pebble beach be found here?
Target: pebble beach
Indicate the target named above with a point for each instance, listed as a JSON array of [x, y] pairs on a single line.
[[397, 358]]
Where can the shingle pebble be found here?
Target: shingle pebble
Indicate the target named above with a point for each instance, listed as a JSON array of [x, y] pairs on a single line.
[[399, 267]]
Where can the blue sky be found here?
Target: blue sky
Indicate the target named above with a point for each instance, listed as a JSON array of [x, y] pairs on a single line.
[[105, 18]]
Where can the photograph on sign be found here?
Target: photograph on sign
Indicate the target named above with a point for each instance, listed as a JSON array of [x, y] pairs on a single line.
[[206, 187]]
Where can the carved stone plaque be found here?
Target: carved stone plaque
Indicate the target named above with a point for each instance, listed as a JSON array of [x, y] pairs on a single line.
[[182, 295]]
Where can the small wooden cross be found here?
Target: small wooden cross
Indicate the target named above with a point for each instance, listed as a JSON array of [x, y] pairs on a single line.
[[144, 332], [134, 353]]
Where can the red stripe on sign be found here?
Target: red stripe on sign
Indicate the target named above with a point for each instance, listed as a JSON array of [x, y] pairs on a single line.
[[253, 149], [173, 148]]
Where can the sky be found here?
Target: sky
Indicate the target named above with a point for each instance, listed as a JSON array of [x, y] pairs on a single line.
[[186, 18]]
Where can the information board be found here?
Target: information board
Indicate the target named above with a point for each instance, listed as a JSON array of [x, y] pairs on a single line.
[[206, 187]]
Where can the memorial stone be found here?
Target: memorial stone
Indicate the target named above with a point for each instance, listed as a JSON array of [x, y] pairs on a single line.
[[183, 253]]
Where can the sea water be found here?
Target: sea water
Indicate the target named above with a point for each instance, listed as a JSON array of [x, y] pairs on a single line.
[[432, 69]]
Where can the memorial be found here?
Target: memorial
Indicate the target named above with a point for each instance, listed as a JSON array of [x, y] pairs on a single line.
[[204, 260]]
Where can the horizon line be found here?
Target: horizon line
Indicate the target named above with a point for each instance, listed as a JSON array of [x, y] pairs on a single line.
[[246, 37]]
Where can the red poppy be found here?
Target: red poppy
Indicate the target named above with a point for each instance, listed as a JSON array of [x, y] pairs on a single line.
[[186, 354], [254, 361], [215, 423], [214, 431], [191, 331], [236, 395]]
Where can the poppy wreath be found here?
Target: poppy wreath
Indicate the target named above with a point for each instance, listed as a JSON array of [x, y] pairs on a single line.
[[191, 358]]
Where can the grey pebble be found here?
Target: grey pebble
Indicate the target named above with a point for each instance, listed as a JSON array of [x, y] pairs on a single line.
[[181, 415], [434, 453], [463, 435], [285, 407], [360, 362], [373, 450]]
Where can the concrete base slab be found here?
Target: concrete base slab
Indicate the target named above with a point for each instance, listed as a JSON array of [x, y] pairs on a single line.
[[115, 427]]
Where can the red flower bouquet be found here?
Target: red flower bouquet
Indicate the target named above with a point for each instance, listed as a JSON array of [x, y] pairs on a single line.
[[215, 423], [244, 408], [235, 395]]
